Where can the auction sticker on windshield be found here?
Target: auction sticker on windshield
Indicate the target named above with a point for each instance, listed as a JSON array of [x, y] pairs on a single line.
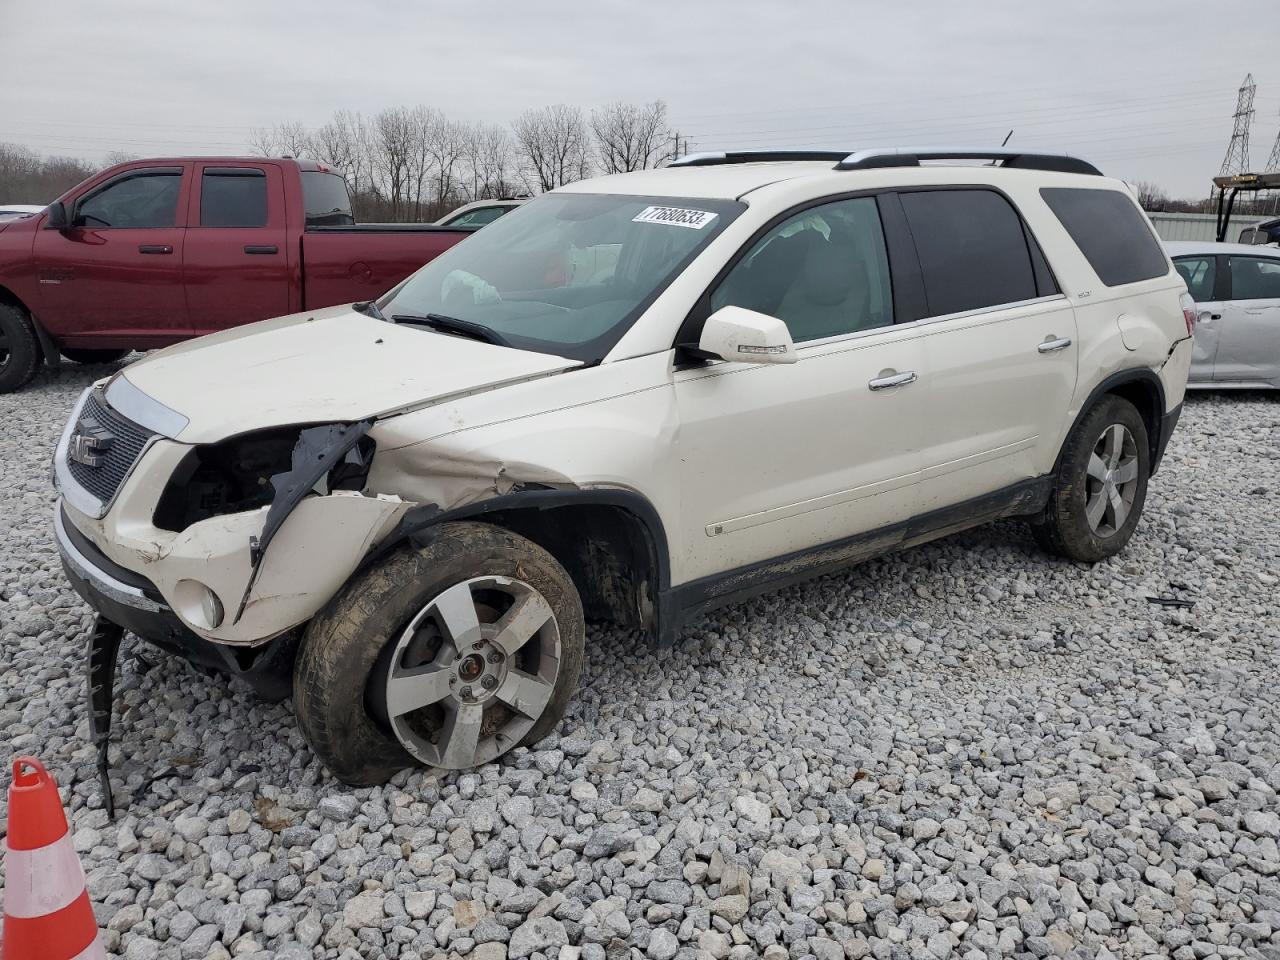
[[675, 216]]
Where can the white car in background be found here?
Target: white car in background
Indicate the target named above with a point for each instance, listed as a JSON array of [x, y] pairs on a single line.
[[1236, 288], [480, 212], [634, 399], [18, 209]]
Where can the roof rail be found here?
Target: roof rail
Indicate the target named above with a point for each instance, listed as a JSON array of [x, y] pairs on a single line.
[[1013, 159], [718, 157]]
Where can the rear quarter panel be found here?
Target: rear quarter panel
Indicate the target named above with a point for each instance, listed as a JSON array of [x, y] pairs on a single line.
[[342, 266], [1126, 327]]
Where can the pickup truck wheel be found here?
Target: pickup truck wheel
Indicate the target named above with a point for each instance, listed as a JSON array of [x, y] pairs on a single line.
[[1101, 487], [77, 355], [448, 653], [19, 348]]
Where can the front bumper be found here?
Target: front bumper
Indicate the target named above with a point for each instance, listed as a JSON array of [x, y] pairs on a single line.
[[133, 603]]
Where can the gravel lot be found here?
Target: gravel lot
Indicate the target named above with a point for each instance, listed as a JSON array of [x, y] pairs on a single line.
[[965, 750]]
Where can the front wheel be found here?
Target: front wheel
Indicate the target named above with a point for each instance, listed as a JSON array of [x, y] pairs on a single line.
[[449, 653], [19, 348], [1101, 486]]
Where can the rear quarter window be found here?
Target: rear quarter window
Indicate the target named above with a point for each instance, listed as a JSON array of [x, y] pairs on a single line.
[[1110, 231]]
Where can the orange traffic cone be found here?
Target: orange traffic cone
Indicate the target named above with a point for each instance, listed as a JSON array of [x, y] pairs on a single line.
[[47, 914]]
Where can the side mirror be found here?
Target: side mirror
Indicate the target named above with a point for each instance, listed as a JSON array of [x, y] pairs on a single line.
[[736, 333], [57, 216]]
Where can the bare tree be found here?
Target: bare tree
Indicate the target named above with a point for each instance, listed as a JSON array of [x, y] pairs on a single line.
[[630, 136], [290, 139], [1150, 196], [29, 177], [395, 148], [554, 146], [118, 156], [488, 161]]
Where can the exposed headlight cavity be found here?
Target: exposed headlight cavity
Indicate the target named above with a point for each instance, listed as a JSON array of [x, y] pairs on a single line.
[[235, 475]]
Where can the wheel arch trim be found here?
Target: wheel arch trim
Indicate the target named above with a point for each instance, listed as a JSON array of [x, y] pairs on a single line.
[[645, 516], [1152, 418]]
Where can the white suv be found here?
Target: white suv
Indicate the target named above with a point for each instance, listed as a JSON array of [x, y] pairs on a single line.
[[635, 398]]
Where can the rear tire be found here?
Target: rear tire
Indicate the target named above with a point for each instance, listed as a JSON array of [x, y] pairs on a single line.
[[19, 348], [1101, 487], [89, 357], [380, 684]]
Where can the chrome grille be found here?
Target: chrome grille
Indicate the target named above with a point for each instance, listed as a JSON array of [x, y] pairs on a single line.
[[127, 441]]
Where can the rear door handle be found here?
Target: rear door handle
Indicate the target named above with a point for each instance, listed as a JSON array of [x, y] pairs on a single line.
[[160, 248], [1205, 315], [261, 248], [894, 380], [1054, 344]]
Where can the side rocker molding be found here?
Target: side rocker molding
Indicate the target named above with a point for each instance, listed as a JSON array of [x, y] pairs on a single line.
[[1022, 499]]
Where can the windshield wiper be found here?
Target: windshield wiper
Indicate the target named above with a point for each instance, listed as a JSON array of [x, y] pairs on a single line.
[[438, 321], [369, 308]]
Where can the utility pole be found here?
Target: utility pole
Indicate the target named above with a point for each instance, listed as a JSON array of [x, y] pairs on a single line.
[[1237, 158]]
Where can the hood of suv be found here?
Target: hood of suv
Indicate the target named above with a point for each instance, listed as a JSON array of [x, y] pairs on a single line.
[[319, 367]]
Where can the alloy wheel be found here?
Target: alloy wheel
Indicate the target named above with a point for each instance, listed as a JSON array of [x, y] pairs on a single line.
[[1112, 480], [472, 672]]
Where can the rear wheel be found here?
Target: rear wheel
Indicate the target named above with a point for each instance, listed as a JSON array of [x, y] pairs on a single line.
[[19, 348], [449, 654], [1101, 487], [78, 355]]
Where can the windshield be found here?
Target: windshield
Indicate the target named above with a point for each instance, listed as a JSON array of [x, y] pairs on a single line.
[[567, 273]]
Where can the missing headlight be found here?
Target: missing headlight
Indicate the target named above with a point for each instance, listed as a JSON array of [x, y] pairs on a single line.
[[235, 476]]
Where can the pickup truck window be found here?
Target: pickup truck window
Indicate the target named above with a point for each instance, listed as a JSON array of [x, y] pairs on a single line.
[[327, 202], [144, 200], [233, 197], [567, 273]]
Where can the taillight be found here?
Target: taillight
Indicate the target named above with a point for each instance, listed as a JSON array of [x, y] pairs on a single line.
[[1188, 312]]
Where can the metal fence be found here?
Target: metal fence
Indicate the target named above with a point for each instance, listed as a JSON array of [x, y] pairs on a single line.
[[1199, 226]]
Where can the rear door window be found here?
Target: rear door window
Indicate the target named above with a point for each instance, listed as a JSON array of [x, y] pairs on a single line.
[[1199, 274], [973, 250], [1110, 231], [1255, 278], [233, 197]]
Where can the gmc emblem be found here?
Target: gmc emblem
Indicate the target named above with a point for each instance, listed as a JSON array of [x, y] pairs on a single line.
[[90, 442]]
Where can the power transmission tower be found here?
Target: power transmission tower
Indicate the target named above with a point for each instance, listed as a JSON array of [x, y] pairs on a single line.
[[1273, 161], [1237, 158]]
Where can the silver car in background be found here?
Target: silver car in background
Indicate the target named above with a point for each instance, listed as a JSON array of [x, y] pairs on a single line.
[[1236, 288]]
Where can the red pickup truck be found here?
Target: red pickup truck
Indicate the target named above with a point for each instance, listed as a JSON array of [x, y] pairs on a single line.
[[151, 252]]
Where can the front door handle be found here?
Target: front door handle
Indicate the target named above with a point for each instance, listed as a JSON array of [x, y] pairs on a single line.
[[261, 248], [1054, 344], [893, 380], [160, 248]]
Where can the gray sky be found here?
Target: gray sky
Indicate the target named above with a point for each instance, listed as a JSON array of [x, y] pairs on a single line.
[[1144, 88]]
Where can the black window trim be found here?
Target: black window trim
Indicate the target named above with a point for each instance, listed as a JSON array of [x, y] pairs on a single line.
[[133, 174], [231, 172], [906, 278], [1226, 259]]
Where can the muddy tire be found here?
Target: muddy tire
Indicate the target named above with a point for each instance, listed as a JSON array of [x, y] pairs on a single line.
[[423, 660], [90, 357], [1101, 487], [19, 348]]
